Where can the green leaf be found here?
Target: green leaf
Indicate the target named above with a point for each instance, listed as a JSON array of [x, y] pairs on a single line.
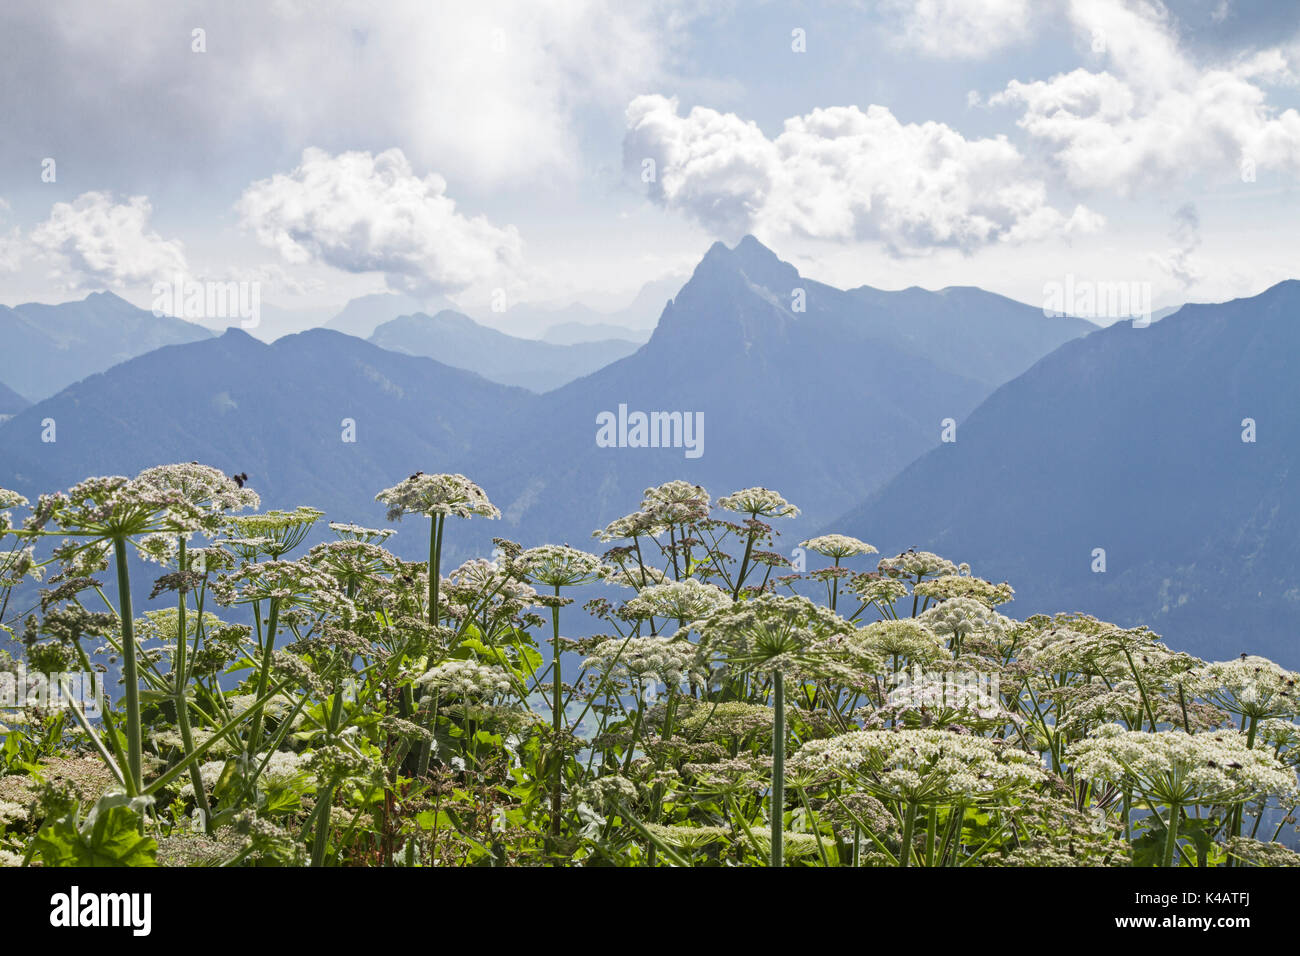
[[109, 836]]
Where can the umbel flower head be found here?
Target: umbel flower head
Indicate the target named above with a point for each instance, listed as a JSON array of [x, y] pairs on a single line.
[[9, 499], [169, 500], [951, 586], [630, 576], [635, 525], [696, 838], [675, 502], [18, 563], [207, 489], [558, 565], [758, 503], [1082, 644], [837, 546], [1181, 769], [904, 639], [774, 632], [876, 588], [466, 679], [279, 580], [431, 495], [352, 561], [645, 660], [959, 617], [356, 532], [1251, 687], [926, 767], [685, 600], [117, 507], [273, 533], [915, 565]]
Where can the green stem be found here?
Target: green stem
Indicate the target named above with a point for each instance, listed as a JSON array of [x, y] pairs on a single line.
[[320, 839], [180, 680], [130, 667], [435, 565], [264, 676], [557, 718], [1171, 836], [932, 823], [425, 750], [909, 825], [778, 769]]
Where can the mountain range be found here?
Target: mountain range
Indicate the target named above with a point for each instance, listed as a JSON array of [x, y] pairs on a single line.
[[457, 340], [361, 316], [799, 386], [1074, 445], [824, 401], [317, 418], [48, 347], [1174, 449]]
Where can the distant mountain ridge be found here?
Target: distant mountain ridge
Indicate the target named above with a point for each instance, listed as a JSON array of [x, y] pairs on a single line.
[[457, 340], [1131, 441], [583, 323], [48, 347], [282, 413], [362, 315], [10, 402], [573, 333]]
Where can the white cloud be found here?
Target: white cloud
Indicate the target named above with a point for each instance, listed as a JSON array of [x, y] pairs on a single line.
[[841, 173], [371, 213], [1155, 116], [489, 91], [94, 241], [960, 29]]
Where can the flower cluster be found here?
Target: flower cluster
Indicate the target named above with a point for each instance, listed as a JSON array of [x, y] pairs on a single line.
[[923, 766], [1181, 769], [684, 601], [646, 660], [837, 546], [466, 678], [446, 495]]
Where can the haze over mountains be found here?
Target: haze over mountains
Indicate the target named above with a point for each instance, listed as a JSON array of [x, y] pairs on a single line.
[[457, 340], [577, 322], [361, 316], [1069, 438]]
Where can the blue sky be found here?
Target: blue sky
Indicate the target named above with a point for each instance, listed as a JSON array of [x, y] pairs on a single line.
[[328, 149]]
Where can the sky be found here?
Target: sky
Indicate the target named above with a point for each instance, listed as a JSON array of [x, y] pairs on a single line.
[[572, 151]]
